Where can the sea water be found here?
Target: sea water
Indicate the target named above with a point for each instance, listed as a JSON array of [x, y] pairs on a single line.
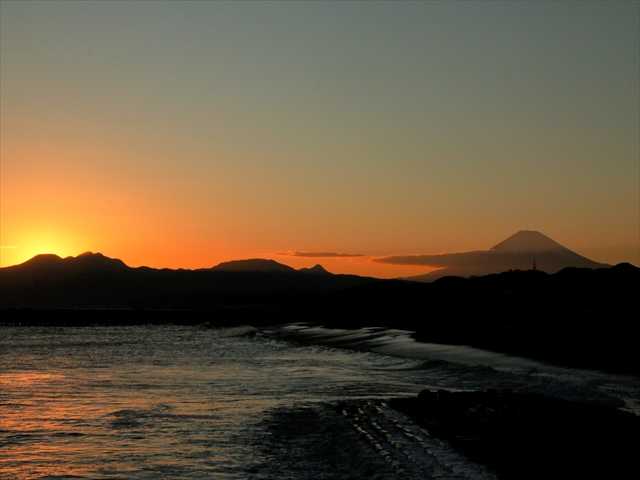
[[147, 402]]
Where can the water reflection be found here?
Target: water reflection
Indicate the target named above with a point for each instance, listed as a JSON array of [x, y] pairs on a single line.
[[173, 402], [177, 402]]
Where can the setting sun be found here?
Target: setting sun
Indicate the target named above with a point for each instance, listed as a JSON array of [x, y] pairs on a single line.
[[35, 243]]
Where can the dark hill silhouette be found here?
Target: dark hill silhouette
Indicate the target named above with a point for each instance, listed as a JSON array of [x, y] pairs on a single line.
[[42, 259], [85, 261], [317, 269], [253, 265], [518, 252], [90, 260], [92, 279]]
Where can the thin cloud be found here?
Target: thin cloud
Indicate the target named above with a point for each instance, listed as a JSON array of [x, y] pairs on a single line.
[[321, 254], [489, 260], [443, 260]]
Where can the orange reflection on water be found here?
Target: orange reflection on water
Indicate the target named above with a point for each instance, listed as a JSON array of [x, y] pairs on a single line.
[[35, 426], [57, 424], [27, 379]]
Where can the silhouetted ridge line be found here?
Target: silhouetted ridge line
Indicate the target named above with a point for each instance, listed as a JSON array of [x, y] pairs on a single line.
[[91, 279], [44, 259], [97, 260], [84, 260], [253, 265], [315, 270]]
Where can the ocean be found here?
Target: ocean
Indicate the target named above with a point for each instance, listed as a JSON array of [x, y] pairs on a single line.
[[149, 402]]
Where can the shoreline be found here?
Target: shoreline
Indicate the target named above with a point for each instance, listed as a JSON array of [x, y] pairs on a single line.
[[397, 342], [475, 369]]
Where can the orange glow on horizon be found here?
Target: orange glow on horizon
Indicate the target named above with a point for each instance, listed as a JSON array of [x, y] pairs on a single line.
[[63, 247], [36, 243], [67, 197], [95, 199]]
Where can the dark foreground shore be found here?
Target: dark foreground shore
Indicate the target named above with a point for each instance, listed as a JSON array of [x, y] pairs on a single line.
[[529, 436], [518, 418], [451, 435], [356, 439]]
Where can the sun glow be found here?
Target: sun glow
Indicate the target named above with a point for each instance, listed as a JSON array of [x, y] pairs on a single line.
[[35, 243]]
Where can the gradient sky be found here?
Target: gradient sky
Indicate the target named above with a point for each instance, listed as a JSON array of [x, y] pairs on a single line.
[[187, 133]]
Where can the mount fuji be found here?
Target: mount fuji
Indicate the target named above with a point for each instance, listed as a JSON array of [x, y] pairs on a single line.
[[524, 250]]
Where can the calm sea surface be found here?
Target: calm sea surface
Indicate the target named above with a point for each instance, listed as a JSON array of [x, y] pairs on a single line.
[[186, 402]]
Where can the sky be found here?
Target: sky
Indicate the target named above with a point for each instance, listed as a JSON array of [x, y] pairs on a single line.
[[182, 134]]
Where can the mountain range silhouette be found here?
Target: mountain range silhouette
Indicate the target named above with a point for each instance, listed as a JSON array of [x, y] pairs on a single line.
[[93, 279], [576, 316]]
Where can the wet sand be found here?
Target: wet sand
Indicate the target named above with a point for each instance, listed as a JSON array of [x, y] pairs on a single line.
[[358, 439]]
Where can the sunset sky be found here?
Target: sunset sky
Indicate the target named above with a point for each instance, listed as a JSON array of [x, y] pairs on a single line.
[[182, 134]]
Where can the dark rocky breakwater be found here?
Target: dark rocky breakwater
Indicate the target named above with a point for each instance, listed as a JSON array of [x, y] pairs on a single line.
[[530, 436]]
